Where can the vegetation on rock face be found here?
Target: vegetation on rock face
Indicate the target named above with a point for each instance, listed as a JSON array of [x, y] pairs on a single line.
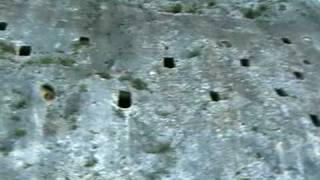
[[211, 3], [53, 60], [15, 118], [20, 132], [20, 104], [252, 13], [91, 162], [139, 84], [83, 88], [73, 122], [225, 43], [6, 146], [6, 48], [104, 75], [194, 53], [136, 83], [262, 7], [158, 148], [66, 61], [191, 8], [45, 60], [282, 7], [175, 8], [125, 77]]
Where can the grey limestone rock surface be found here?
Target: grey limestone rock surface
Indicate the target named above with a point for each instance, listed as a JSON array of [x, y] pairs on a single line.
[[159, 90]]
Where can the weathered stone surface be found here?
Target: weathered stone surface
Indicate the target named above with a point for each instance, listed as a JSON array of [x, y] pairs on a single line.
[[237, 98]]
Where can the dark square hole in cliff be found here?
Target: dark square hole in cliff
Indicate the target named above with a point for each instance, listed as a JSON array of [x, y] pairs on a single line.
[[84, 40], [215, 96], [286, 40], [315, 120], [3, 26], [48, 92], [298, 75], [281, 92], [25, 51], [245, 62], [124, 100], [168, 62]]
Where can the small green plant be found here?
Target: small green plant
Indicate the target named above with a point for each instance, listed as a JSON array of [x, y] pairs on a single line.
[[20, 132], [20, 104], [163, 113], [254, 129], [83, 88], [6, 47], [139, 84], [262, 7], [211, 3], [104, 75], [136, 83], [174, 8], [46, 60], [27, 165], [159, 148], [194, 53], [5, 147], [252, 13], [192, 8], [72, 120], [225, 43], [53, 60], [282, 7], [91, 162], [66, 61], [244, 178], [125, 77], [15, 118]]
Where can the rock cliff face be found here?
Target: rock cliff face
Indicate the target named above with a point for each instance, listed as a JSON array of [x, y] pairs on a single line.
[[159, 90]]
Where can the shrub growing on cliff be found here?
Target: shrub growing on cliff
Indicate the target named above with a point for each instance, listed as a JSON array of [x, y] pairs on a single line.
[[83, 88], [192, 8], [139, 84], [20, 132], [175, 8], [252, 13], [211, 3], [6, 48]]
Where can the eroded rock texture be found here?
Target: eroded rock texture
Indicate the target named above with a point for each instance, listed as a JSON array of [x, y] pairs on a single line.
[[159, 90]]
